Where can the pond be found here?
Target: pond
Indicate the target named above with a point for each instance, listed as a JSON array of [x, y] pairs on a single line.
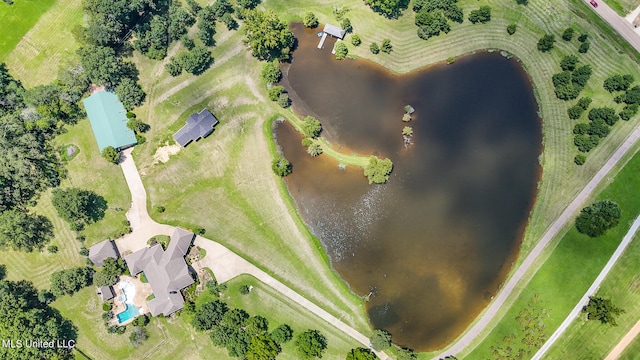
[[433, 245]]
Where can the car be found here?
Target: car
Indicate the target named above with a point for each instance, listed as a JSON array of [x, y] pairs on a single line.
[[593, 3]]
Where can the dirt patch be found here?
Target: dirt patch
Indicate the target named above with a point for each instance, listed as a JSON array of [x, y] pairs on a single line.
[[164, 153]]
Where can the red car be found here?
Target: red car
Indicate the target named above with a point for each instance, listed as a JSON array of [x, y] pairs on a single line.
[[593, 3]]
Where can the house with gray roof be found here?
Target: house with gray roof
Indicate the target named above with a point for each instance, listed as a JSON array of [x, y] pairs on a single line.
[[105, 293], [166, 271], [198, 126], [103, 250], [334, 31]]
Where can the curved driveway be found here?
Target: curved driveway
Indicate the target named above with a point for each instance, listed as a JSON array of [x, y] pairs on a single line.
[[551, 232], [224, 263]]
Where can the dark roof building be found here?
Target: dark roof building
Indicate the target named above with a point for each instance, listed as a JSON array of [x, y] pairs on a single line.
[[199, 125], [166, 271], [334, 31], [103, 250], [105, 293], [108, 120]]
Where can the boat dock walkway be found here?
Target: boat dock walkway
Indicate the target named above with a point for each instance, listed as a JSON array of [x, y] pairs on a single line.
[[324, 37]]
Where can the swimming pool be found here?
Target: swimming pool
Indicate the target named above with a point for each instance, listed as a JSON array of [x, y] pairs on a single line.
[[129, 313]]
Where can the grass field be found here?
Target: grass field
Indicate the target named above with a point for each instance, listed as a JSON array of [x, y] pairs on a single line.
[[17, 19], [105, 179], [573, 265], [632, 352], [225, 182], [623, 7]]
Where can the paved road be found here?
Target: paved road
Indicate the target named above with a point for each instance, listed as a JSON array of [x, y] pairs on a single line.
[[224, 263], [566, 216], [618, 23], [626, 340], [591, 291]]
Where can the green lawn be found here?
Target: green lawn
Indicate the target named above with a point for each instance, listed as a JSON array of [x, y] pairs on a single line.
[[632, 352], [573, 265], [17, 19], [623, 7]]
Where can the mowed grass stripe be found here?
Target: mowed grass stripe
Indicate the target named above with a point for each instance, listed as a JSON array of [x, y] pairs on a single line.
[[17, 19]]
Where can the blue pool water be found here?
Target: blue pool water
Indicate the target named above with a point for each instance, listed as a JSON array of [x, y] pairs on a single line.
[[129, 313]]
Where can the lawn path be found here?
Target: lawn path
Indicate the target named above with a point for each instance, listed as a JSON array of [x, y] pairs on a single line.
[[224, 263], [591, 291], [626, 340], [552, 231]]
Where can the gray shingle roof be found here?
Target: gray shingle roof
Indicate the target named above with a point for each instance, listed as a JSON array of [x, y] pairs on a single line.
[[166, 271], [199, 125], [102, 250], [334, 31], [105, 293]]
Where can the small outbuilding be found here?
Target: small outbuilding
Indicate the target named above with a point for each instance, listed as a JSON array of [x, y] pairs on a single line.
[[105, 293], [108, 120], [334, 31], [99, 252], [198, 126]]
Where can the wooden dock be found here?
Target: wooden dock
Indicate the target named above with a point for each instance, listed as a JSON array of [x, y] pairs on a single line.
[[324, 37]]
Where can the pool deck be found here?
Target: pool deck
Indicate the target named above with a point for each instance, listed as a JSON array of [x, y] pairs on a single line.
[[143, 290]]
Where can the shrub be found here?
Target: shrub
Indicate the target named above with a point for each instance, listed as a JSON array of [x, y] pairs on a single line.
[[377, 171], [160, 209], [271, 73], [84, 251], [306, 142], [567, 35], [628, 112], [314, 150], [244, 289], [580, 159], [52, 249], [311, 127], [482, 15], [568, 62], [310, 20], [374, 48], [345, 24], [584, 47], [284, 101], [546, 42], [275, 92], [583, 37], [511, 29], [281, 166], [106, 306], [380, 340], [341, 50], [111, 154], [595, 219], [386, 46], [355, 40]]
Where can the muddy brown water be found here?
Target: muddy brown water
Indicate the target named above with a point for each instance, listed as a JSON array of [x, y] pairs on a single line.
[[434, 243]]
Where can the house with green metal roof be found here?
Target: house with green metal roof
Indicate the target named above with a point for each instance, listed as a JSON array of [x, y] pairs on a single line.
[[109, 121]]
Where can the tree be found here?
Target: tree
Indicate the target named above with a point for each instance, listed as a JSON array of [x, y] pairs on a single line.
[[229, 21], [607, 114], [270, 73], [584, 47], [314, 149], [374, 48], [111, 154], [209, 315], [130, 93], [391, 9], [24, 316], [602, 309], [256, 325], [431, 23], [341, 50], [618, 82], [102, 66], [310, 20], [583, 37], [195, 61], [628, 112], [380, 339], [173, 67], [546, 42], [511, 29], [361, 354], [137, 126], [248, 4], [110, 272], [595, 219], [580, 159], [567, 34], [70, 281], [262, 347], [281, 166], [345, 24], [311, 127], [267, 36], [386, 46], [378, 170], [284, 101], [310, 344], [482, 15], [274, 93], [138, 336], [3, 271], [238, 343], [407, 131], [234, 318], [355, 40], [222, 7], [11, 92], [282, 334], [568, 62], [20, 230], [207, 25], [78, 206], [522, 2]]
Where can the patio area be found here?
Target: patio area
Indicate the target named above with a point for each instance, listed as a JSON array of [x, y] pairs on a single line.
[[130, 299]]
